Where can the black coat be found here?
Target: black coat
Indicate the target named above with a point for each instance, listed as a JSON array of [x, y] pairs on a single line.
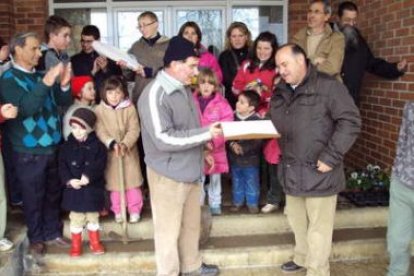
[[358, 59], [82, 65], [230, 61], [317, 121], [252, 149], [88, 158]]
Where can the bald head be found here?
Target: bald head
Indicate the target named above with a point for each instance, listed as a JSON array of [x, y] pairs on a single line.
[[291, 63]]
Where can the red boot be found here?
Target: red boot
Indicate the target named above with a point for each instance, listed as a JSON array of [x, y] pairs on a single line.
[[95, 243], [76, 248]]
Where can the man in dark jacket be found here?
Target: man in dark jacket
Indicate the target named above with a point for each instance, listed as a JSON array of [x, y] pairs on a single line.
[[358, 56], [89, 63], [318, 122]]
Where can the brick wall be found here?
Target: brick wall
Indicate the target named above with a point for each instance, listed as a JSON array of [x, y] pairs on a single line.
[[388, 27], [22, 15], [5, 19]]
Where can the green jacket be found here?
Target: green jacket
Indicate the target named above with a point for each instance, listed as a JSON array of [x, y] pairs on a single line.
[[37, 128]]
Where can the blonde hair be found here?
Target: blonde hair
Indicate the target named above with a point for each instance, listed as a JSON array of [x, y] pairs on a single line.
[[209, 75], [242, 28]]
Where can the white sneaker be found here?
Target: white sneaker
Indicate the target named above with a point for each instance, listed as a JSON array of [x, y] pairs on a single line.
[[5, 245], [268, 208], [118, 218], [134, 218]]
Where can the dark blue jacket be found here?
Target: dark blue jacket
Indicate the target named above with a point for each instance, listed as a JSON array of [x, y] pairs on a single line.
[[88, 158]]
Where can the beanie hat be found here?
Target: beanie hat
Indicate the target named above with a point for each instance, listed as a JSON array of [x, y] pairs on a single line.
[[179, 48], [77, 84], [85, 117]]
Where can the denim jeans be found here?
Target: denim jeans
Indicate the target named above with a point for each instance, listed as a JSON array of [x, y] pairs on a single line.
[[245, 185]]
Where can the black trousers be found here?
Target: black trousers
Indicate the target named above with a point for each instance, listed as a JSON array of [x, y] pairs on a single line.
[[38, 176]]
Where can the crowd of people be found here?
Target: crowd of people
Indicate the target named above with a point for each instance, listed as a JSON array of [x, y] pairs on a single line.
[[73, 133]]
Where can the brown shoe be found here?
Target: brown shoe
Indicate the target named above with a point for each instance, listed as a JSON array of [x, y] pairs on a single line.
[[37, 248], [59, 242], [235, 208], [253, 209]]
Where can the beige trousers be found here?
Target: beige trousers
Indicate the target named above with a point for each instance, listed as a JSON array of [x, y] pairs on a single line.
[[79, 220], [176, 217], [312, 221]]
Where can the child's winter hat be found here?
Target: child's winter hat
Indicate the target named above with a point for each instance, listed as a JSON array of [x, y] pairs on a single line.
[[85, 117], [77, 84]]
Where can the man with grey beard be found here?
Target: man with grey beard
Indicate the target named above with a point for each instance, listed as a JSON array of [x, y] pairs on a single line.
[[358, 56]]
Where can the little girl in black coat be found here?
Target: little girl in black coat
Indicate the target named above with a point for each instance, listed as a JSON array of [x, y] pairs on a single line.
[[82, 161]]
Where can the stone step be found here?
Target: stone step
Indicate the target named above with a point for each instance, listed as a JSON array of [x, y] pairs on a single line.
[[247, 224], [255, 251]]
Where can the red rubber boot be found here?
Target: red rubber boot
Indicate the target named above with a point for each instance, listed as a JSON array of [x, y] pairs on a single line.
[[76, 247], [95, 243]]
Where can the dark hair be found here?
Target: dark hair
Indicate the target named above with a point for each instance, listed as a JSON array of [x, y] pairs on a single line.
[[252, 97], [112, 83], [326, 7], [347, 5], [270, 63], [19, 39], [241, 27], [91, 30], [192, 24], [149, 14], [53, 25]]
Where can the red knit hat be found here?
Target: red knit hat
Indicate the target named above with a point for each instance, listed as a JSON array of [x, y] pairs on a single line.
[[77, 84]]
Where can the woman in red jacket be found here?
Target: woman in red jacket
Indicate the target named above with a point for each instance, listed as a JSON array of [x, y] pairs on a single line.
[[259, 71]]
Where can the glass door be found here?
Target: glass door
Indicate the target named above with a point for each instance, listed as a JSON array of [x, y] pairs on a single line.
[[211, 21]]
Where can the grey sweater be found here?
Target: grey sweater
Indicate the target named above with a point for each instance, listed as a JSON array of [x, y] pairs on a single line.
[[171, 133], [403, 168]]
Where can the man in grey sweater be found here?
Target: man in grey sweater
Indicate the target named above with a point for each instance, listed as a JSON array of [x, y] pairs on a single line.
[[173, 144]]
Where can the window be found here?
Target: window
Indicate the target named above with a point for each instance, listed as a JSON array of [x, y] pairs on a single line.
[[117, 19], [127, 22], [81, 17], [210, 22]]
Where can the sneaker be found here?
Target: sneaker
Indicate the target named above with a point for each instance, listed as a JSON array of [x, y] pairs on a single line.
[[253, 209], [235, 208], [204, 270], [269, 208], [215, 211], [118, 218], [5, 245], [291, 266], [134, 217]]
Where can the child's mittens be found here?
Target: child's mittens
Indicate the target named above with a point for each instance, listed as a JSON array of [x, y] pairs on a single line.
[[75, 183]]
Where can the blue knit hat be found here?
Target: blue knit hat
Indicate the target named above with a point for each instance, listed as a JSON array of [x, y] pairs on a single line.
[[179, 48]]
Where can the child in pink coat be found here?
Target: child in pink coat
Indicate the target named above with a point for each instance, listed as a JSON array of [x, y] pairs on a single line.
[[213, 107]]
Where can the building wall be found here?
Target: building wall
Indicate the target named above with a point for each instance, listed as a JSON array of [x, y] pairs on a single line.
[[22, 15], [388, 26]]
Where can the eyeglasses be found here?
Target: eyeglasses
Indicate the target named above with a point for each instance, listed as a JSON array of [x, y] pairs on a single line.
[[142, 26], [86, 41]]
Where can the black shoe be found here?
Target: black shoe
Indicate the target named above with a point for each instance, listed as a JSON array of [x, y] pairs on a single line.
[[37, 249], [291, 266], [204, 270]]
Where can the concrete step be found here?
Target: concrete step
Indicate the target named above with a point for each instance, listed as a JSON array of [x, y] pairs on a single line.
[[230, 224], [255, 251]]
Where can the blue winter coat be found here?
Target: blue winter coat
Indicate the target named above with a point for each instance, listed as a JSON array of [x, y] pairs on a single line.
[[88, 158]]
